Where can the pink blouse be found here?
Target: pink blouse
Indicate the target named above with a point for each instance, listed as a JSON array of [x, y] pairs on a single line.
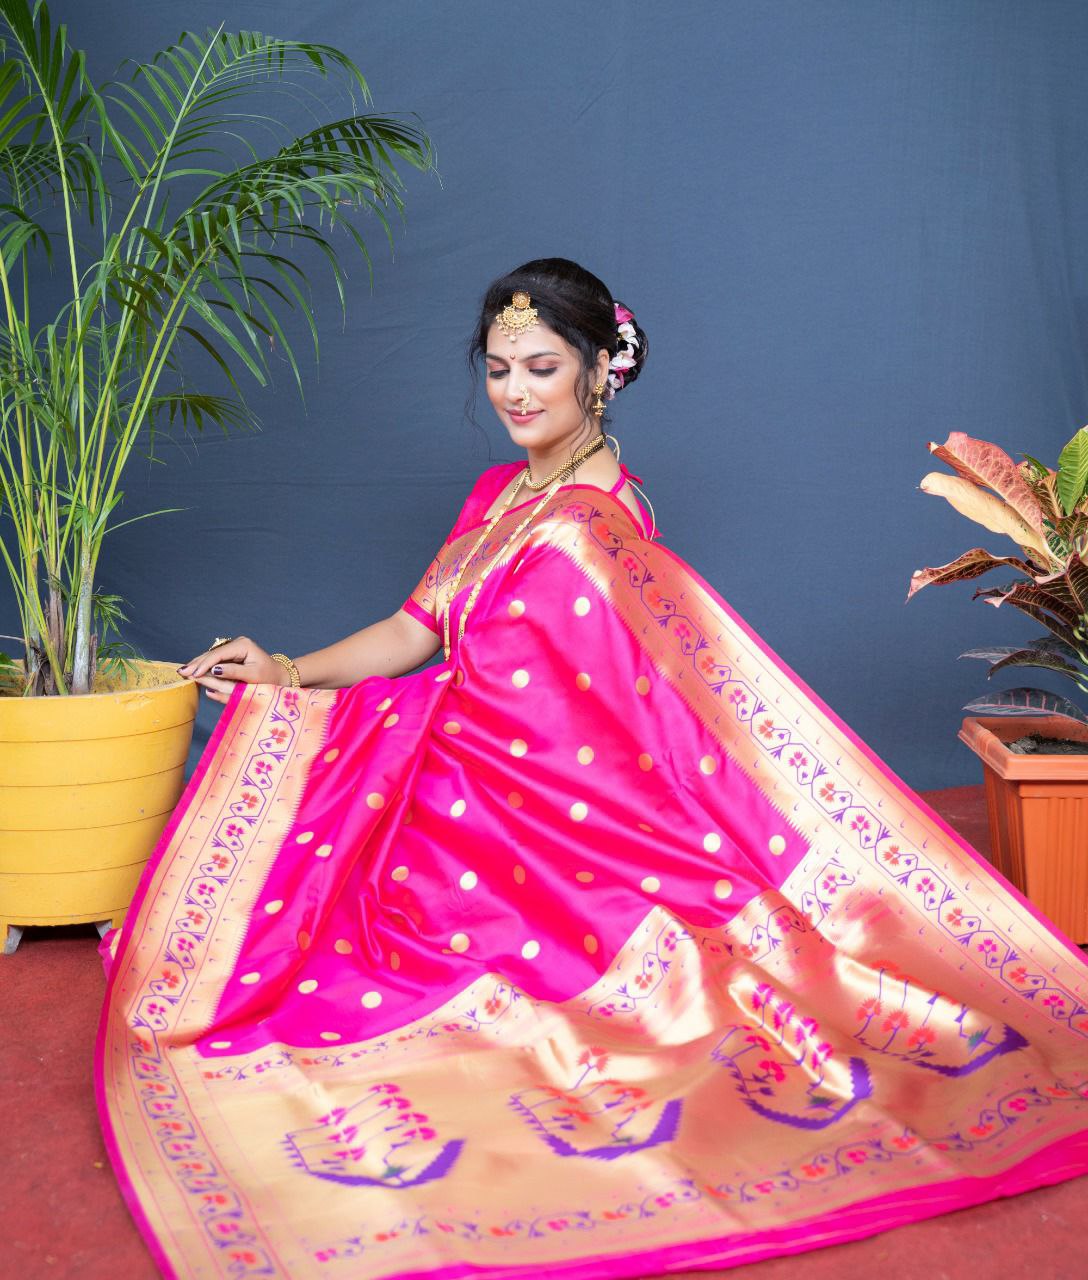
[[473, 514]]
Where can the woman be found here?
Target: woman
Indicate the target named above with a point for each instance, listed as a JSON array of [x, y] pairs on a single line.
[[599, 947]]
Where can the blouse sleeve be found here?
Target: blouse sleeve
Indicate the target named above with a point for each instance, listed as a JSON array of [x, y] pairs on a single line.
[[422, 601]]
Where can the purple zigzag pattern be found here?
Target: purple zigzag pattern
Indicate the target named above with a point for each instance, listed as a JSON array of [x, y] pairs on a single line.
[[906, 868]]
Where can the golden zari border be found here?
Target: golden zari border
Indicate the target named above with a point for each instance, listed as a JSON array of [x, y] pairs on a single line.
[[180, 943]]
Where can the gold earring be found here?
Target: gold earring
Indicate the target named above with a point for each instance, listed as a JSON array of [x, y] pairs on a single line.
[[598, 404]]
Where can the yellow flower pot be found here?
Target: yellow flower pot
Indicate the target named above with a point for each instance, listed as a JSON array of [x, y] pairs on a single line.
[[87, 785]]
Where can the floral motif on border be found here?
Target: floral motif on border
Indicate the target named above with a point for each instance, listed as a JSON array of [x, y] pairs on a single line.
[[216, 1206], [826, 1165]]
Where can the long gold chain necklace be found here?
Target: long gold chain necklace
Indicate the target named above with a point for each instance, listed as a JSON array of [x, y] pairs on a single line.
[[553, 482]]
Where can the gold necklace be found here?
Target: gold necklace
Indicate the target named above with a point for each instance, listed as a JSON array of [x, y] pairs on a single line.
[[578, 456], [567, 467]]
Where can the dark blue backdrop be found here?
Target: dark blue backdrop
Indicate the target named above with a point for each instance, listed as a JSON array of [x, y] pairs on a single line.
[[847, 228]]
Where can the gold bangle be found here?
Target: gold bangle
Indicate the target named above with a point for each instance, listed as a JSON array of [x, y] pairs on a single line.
[[285, 661]]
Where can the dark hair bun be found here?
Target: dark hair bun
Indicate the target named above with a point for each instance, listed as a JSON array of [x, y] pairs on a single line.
[[639, 347]]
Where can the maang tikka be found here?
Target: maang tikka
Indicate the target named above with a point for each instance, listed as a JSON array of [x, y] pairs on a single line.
[[517, 316]]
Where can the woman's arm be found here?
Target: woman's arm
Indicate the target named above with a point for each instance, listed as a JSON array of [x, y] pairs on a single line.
[[391, 647]]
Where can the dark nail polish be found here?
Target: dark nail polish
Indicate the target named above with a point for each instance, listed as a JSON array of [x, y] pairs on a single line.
[[217, 671]]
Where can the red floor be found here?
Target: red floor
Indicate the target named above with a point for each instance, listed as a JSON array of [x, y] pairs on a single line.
[[63, 1216]]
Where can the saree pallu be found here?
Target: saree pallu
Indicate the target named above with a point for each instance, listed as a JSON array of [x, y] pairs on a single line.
[[603, 948]]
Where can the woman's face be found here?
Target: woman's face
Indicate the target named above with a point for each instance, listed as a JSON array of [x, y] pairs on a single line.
[[540, 371]]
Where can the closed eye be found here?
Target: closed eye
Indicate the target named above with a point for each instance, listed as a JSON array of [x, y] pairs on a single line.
[[541, 373]]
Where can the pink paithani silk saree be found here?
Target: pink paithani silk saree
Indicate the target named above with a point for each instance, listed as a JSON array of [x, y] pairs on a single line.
[[603, 948]]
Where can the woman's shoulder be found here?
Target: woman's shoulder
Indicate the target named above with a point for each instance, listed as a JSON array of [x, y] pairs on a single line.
[[490, 482]]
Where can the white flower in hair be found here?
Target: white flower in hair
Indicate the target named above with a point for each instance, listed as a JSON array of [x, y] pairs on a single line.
[[627, 333]]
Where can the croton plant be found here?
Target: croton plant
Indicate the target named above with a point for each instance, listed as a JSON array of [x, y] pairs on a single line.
[[1045, 513]]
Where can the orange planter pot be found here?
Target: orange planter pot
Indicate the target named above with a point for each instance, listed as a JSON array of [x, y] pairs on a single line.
[[87, 785], [1038, 810]]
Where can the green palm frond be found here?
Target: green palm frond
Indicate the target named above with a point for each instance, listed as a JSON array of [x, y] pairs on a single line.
[[207, 213]]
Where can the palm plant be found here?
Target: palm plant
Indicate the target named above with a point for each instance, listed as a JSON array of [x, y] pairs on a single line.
[[1045, 512], [172, 232]]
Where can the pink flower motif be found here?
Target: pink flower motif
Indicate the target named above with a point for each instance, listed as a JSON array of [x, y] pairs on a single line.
[[1054, 1001], [783, 1014], [799, 759], [860, 823], [622, 314], [813, 1170], [1018, 975], [922, 1035], [805, 1030], [827, 790], [987, 946], [773, 1068], [762, 995], [925, 885], [821, 1053], [896, 1021], [737, 695], [1017, 1104]]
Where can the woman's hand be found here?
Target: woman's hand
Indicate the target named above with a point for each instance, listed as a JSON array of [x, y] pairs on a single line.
[[240, 659]]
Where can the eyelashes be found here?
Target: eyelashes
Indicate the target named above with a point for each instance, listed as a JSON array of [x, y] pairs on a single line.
[[540, 373]]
